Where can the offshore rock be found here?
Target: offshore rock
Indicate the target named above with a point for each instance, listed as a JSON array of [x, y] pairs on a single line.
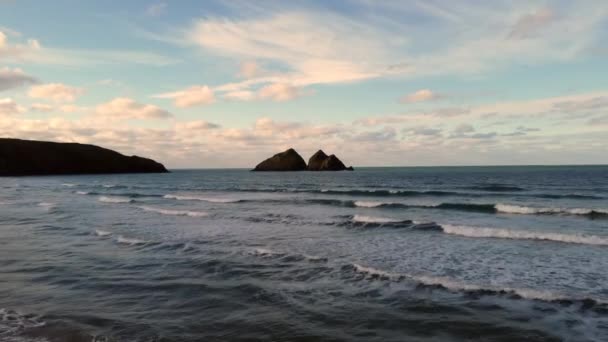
[[289, 160]]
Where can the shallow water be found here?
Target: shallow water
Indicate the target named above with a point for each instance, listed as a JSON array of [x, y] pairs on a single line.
[[382, 254]]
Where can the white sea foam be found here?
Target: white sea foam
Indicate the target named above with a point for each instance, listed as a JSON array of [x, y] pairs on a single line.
[[480, 232], [47, 205], [263, 252], [373, 272], [201, 198], [517, 209], [102, 233], [69, 185], [129, 241], [372, 219], [368, 204], [456, 285], [313, 257], [82, 193], [174, 212], [108, 199], [12, 323]]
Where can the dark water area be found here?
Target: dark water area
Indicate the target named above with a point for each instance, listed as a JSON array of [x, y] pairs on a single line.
[[379, 254]]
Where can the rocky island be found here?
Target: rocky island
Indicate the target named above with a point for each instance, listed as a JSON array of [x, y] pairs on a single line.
[[28, 157], [290, 160]]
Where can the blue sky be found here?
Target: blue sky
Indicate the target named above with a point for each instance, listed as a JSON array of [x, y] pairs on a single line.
[[224, 84]]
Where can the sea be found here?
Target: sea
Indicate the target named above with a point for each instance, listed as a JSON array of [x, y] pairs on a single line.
[[378, 254]]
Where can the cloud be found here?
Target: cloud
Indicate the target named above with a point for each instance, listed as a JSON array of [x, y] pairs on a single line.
[[41, 107], [198, 125], [9, 107], [32, 51], [156, 10], [126, 108], [425, 131], [464, 128], [279, 92], [240, 95], [385, 134], [249, 69], [421, 95], [530, 24], [193, 96], [14, 78], [55, 92]]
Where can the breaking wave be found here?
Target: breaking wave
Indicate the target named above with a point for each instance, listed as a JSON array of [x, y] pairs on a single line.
[[174, 212], [130, 241], [455, 285], [516, 209], [108, 199], [102, 233], [201, 198], [372, 219], [13, 323], [480, 232]]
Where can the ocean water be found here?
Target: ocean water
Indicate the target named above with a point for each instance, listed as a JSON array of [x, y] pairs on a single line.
[[379, 254]]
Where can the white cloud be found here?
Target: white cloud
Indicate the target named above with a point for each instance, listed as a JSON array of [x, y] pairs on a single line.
[[32, 51], [41, 107], [13, 78], [325, 47], [126, 108], [279, 92], [55, 92], [530, 24], [9, 107], [421, 95], [240, 95], [193, 96], [156, 9], [249, 69], [197, 125]]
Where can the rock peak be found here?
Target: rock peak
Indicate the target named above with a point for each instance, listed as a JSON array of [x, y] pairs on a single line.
[[288, 160]]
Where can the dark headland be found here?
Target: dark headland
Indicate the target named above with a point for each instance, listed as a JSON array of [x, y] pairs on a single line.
[[29, 158], [291, 160]]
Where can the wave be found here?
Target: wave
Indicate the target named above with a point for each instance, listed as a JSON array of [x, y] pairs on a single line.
[[385, 222], [268, 253], [480, 193], [454, 285], [263, 252], [129, 241], [82, 193], [108, 199], [13, 323], [174, 212], [48, 205], [496, 188], [201, 198], [373, 219], [102, 233], [369, 204], [68, 185], [474, 207], [480, 232], [516, 209]]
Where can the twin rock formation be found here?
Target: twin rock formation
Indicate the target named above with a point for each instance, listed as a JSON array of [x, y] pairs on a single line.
[[290, 160]]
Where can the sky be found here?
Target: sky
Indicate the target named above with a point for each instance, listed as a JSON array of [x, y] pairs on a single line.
[[213, 84]]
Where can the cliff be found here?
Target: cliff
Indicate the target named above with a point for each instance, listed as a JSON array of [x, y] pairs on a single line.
[[28, 157]]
